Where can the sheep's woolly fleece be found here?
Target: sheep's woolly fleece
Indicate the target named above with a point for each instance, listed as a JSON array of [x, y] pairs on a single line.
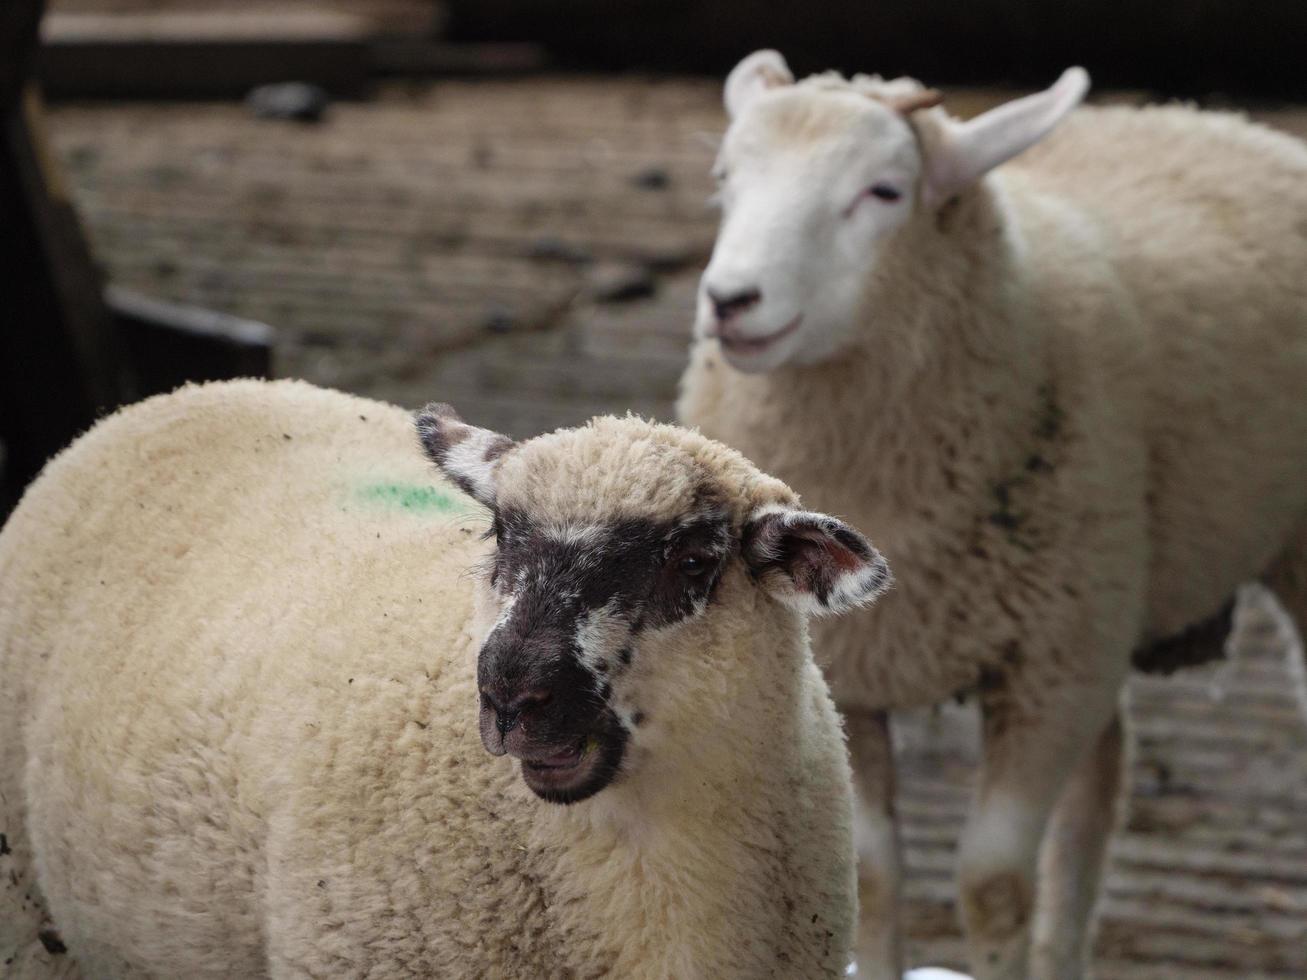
[[1078, 372], [238, 724]]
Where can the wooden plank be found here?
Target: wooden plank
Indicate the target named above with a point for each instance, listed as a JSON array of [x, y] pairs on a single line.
[[199, 55], [169, 344], [384, 17], [59, 361], [136, 53], [424, 57], [185, 27]]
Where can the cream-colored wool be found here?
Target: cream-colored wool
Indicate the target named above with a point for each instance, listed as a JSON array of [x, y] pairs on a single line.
[[238, 717], [1070, 409]]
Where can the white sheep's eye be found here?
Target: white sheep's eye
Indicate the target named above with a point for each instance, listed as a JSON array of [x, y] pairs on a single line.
[[884, 192], [693, 565], [720, 174]]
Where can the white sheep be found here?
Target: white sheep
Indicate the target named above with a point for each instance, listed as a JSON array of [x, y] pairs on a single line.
[[1066, 396], [240, 692]]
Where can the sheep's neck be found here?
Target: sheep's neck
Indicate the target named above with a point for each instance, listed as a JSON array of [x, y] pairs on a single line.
[[946, 350], [943, 391], [697, 846]]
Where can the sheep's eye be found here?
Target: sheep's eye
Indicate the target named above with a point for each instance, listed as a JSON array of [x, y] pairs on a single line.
[[693, 566], [884, 192], [720, 175]]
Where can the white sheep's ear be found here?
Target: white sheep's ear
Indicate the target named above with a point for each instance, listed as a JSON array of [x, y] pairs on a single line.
[[757, 73], [813, 562], [468, 456], [959, 153]]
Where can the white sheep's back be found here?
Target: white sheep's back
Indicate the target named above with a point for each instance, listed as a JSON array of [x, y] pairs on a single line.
[[1203, 217], [189, 589]]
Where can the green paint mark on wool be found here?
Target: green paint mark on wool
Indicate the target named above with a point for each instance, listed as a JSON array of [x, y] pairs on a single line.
[[412, 497]]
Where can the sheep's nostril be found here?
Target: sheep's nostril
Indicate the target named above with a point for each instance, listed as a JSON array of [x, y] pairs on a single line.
[[727, 306], [508, 709]]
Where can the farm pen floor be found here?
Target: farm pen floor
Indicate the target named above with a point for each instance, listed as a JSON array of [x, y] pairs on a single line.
[[528, 251]]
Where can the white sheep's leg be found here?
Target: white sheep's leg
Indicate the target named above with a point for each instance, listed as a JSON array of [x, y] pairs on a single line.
[[1033, 739], [1072, 859], [1287, 579], [875, 834]]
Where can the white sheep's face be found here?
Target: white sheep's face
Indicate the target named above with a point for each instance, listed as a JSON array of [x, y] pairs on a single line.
[[816, 178], [612, 546], [811, 185]]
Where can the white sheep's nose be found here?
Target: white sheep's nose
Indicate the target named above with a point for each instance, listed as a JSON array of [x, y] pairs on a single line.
[[729, 304]]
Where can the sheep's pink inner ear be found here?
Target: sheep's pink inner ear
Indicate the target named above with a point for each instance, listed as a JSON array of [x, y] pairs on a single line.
[[813, 562], [757, 73], [468, 456], [959, 153], [914, 101]]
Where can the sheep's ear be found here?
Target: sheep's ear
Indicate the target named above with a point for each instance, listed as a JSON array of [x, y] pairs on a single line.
[[754, 75], [816, 563], [958, 153], [465, 454]]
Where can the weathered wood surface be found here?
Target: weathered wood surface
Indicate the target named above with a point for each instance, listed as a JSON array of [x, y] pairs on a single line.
[[387, 16], [447, 237], [200, 55], [451, 241], [196, 49]]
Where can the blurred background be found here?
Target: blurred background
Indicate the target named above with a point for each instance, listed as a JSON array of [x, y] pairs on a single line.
[[503, 204]]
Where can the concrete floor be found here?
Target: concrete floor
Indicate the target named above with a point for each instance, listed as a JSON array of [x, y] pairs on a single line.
[[528, 251]]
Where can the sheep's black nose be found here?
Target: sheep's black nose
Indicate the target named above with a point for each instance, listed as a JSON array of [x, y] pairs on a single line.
[[727, 306], [510, 706]]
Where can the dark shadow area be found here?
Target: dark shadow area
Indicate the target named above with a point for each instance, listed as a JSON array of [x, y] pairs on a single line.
[[1183, 48]]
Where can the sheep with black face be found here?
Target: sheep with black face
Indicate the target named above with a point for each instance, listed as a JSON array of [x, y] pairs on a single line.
[[243, 669]]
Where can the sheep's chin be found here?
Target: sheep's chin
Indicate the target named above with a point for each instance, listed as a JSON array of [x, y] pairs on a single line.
[[571, 776], [758, 355]]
